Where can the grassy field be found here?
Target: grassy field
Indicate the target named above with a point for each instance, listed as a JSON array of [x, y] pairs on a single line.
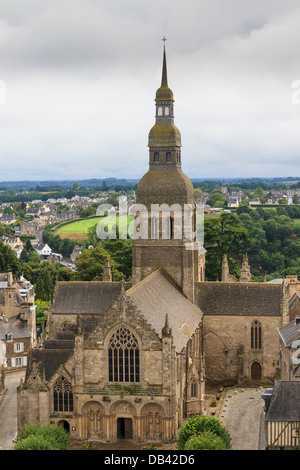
[[78, 230]]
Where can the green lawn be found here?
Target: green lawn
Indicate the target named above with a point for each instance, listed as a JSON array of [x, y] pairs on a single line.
[[296, 221], [82, 226]]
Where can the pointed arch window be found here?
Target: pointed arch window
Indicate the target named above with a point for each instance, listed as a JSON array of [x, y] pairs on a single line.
[[193, 389], [256, 342], [63, 395], [123, 357]]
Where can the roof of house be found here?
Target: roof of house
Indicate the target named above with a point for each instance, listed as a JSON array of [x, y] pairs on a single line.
[[157, 296], [289, 333], [239, 298], [285, 400], [16, 328], [91, 297]]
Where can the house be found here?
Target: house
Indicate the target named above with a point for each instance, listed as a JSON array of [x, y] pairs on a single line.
[[14, 243], [289, 350], [255, 202], [8, 219], [16, 341], [282, 416], [33, 211], [233, 202], [44, 251], [28, 229]]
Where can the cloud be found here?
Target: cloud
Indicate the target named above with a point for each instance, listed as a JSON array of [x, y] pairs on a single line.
[[81, 77]]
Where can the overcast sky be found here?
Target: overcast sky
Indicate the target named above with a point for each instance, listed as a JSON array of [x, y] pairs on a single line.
[[78, 80]]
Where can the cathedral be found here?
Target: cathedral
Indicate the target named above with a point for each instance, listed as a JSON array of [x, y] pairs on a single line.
[[130, 360]]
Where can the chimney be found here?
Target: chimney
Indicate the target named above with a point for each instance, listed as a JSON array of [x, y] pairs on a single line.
[[267, 396]]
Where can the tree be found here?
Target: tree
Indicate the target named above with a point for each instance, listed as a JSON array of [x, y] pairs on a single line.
[[8, 260], [90, 264], [197, 425], [213, 198], [205, 441], [44, 288], [223, 235], [38, 437]]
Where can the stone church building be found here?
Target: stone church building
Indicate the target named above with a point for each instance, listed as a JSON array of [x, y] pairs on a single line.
[[130, 360]]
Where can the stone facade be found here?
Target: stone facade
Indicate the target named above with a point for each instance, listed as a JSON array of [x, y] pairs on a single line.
[[149, 407]]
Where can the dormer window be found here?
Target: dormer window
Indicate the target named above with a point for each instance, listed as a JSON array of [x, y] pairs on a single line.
[[9, 337]]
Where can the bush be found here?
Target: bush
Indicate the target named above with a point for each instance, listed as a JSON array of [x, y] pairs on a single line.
[[205, 441], [34, 443], [47, 437], [197, 425]]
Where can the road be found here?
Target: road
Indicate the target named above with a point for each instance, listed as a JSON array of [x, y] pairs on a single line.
[[241, 413], [8, 410]]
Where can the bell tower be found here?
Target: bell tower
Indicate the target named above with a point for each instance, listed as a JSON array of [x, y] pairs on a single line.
[[166, 196]]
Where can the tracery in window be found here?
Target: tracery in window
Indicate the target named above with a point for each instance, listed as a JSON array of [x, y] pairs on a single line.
[[63, 395], [123, 357], [256, 335]]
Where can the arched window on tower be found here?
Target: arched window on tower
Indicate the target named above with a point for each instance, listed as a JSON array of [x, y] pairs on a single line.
[[167, 111], [63, 395], [168, 156], [160, 111], [256, 342], [123, 357], [156, 157]]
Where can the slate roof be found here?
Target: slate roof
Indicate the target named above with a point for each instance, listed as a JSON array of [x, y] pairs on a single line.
[[17, 328], [156, 296], [238, 298], [50, 359], [284, 404], [85, 297], [289, 333]]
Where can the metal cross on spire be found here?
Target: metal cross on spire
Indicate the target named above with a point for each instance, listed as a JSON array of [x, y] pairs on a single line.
[[164, 39]]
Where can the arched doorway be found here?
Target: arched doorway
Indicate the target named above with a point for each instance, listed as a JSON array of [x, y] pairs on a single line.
[[124, 428], [64, 424], [255, 371]]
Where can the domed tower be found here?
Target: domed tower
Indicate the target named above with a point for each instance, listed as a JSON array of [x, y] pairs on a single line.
[[167, 195]]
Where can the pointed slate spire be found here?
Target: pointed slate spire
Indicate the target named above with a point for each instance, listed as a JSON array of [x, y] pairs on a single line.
[[164, 78]]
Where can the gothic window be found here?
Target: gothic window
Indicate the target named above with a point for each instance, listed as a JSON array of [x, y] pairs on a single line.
[[256, 335], [168, 157], [123, 357], [193, 389], [156, 157], [63, 395]]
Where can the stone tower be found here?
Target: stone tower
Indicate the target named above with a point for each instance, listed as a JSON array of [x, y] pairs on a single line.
[[168, 211]]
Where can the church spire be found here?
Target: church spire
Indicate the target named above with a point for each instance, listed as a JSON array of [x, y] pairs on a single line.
[[164, 78], [164, 93]]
